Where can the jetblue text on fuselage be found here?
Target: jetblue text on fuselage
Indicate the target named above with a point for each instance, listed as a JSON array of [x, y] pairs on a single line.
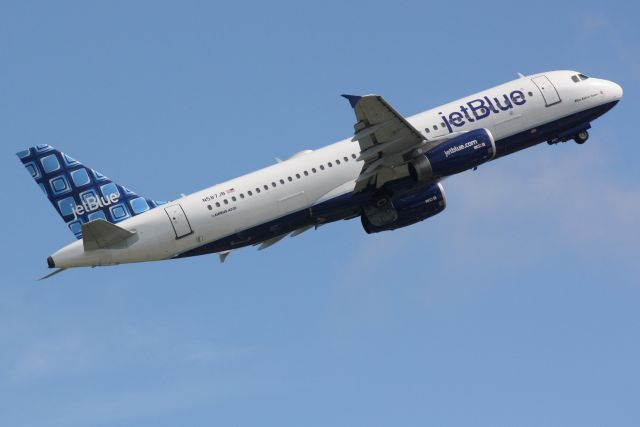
[[482, 108]]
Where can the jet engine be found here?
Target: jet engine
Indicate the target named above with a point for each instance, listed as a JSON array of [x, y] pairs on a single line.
[[411, 209], [454, 156]]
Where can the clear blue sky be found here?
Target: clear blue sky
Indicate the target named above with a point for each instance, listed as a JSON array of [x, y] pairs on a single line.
[[517, 306]]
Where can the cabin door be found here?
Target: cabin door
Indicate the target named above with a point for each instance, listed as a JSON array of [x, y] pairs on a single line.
[[178, 220], [548, 90]]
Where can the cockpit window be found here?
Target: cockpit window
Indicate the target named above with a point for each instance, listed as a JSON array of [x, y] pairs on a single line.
[[575, 79], [583, 77]]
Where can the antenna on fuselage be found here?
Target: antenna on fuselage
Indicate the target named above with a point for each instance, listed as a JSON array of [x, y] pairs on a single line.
[[522, 76]]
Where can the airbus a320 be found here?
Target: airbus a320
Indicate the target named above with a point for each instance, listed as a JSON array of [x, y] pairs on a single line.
[[388, 174]]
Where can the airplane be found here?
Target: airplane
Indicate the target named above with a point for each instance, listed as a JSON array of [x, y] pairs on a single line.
[[388, 174]]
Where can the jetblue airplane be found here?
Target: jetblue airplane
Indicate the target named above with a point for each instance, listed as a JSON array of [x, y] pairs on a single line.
[[388, 174]]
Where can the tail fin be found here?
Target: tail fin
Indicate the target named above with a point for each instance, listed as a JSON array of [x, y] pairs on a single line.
[[80, 194]]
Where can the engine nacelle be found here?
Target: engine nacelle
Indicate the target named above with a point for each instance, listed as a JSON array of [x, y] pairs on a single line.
[[456, 155], [412, 209]]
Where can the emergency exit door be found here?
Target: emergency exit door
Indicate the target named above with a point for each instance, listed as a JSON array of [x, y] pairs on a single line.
[[178, 220], [548, 90]]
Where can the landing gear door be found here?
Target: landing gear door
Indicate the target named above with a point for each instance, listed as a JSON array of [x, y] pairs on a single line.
[[547, 89], [178, 220]]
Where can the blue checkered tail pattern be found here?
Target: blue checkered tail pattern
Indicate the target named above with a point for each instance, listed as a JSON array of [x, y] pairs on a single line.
[[78, 193]]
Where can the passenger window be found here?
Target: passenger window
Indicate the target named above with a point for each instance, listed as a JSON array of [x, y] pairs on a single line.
[[435, 127], [321, 167], [233, 198], [289, 179], [575, 79], [346, 159], [298, 175], [209, 206], [250, 193], [530, 93], [282, 181], [353, 156], [427, 130], [329, 164], [266, 187], [313, 170], [257, 189], [242, 195], [225, 201], [217, 204], [337, 161], [306, 173], [273, 184]]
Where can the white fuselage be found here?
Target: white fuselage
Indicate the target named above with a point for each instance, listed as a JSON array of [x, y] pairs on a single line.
[[307, 179]]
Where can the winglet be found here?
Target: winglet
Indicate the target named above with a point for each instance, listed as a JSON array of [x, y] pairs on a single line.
[[353, 99]]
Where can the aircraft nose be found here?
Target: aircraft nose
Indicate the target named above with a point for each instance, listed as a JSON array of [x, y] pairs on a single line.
[[615, 89]]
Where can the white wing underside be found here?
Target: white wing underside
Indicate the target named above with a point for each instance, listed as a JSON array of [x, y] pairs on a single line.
[[387, 141]]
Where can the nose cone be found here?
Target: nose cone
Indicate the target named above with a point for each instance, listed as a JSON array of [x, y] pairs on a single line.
[[615, 90]]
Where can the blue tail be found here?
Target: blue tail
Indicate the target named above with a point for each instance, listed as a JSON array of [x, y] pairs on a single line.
[[78, 193]]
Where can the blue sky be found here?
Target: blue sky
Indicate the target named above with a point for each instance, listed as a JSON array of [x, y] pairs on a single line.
[[518, 305]]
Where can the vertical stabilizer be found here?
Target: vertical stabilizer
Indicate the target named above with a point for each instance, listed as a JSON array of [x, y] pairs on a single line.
[[80, 194]]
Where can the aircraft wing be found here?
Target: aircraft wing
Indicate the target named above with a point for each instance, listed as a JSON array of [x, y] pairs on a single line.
[[387, 141]]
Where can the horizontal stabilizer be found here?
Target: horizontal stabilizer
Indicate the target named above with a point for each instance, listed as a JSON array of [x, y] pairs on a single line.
[[99, 234], [59, 270]]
